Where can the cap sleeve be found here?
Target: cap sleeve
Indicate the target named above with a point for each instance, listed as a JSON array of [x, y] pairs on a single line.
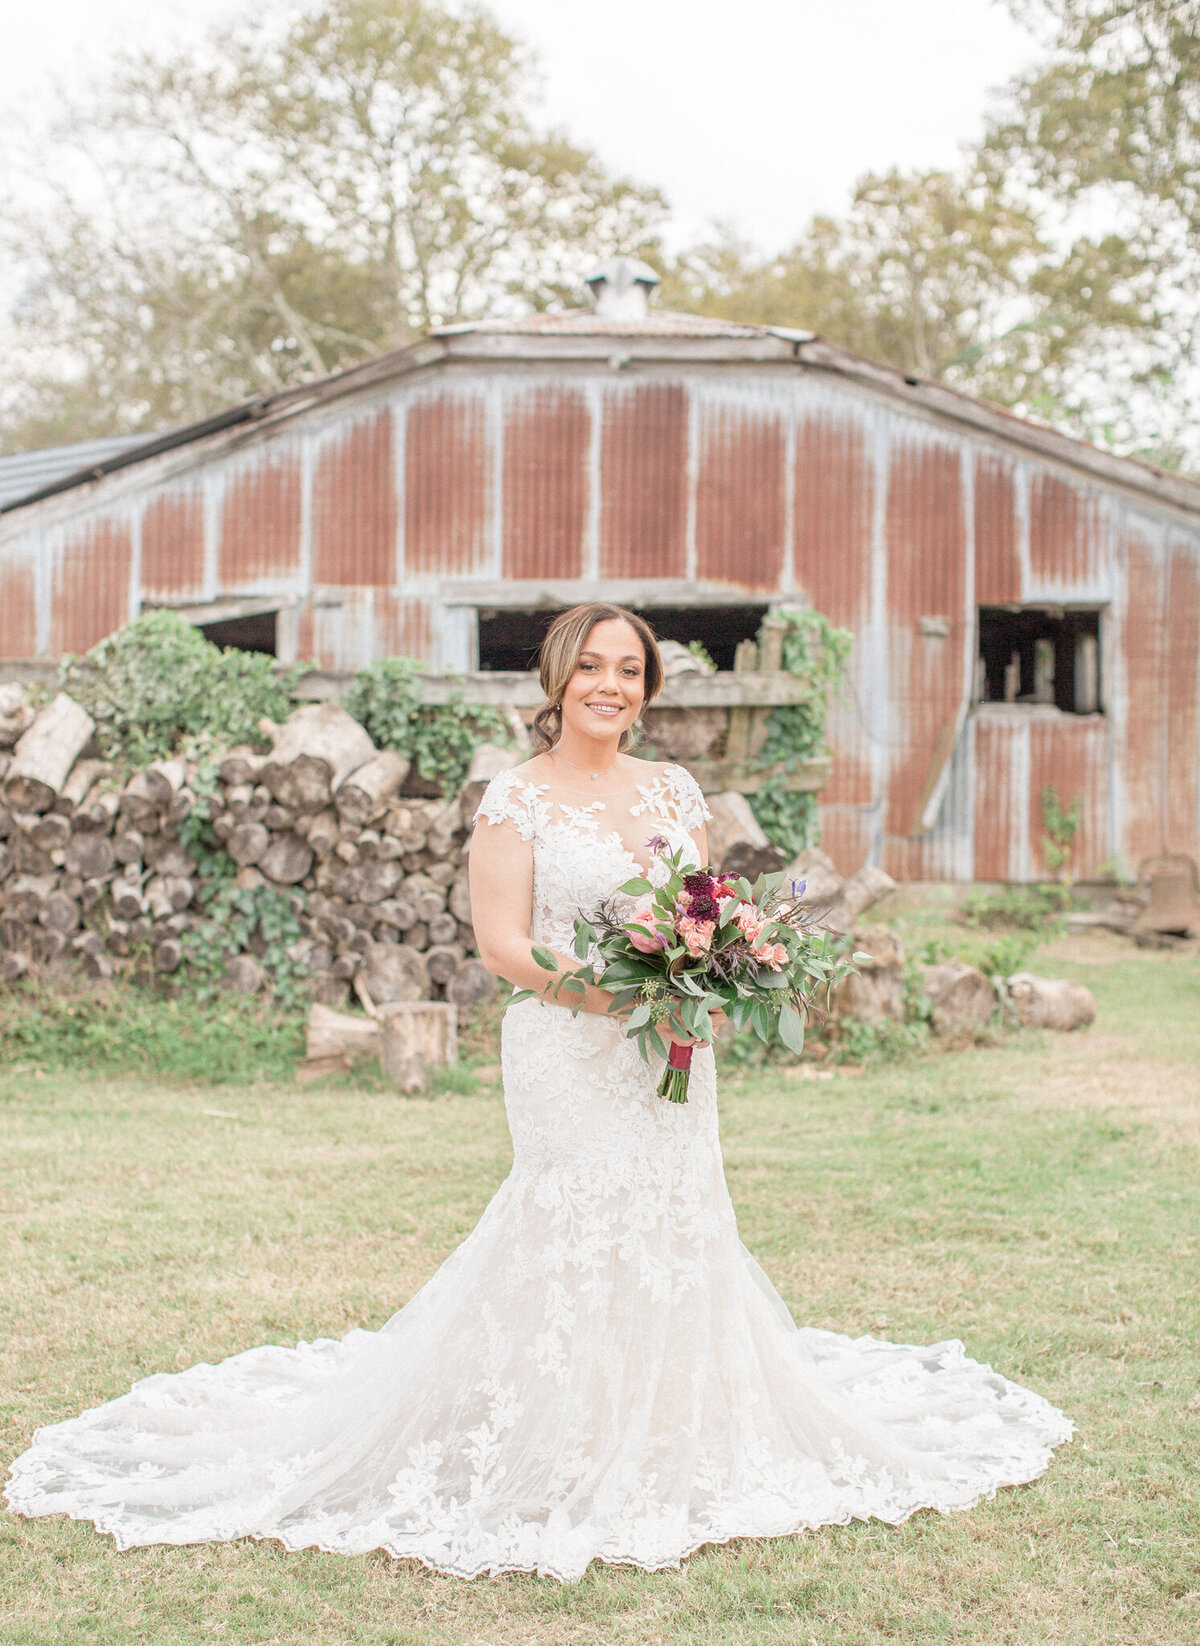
[[508, 798], [689, 798]]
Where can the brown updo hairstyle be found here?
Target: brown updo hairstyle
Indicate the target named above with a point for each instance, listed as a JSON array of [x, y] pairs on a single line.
[[558, 659]]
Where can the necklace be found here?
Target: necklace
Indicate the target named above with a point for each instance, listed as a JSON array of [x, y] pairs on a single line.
[[595, 776]]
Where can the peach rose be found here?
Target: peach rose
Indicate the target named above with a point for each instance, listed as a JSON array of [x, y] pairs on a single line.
[[696, 934], [773, 955], [750, 922]]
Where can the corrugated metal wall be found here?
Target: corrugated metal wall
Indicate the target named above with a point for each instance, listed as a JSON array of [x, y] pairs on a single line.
[[371, 518]]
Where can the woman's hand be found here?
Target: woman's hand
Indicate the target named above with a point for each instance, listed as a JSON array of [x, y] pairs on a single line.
[[681, 1037]]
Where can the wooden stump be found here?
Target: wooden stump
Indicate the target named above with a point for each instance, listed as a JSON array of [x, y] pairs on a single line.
[[416, 1036], [45, 754]]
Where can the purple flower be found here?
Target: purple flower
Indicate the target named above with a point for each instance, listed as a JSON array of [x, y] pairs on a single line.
[[798, 889], [703, 908], [658, 843], [698, 883]]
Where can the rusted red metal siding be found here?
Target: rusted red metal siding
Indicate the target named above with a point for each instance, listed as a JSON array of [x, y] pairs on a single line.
[[446, 469], [365, 624], [741, 497], [834, 506], [547, 434], [999, 790], [173, 545], [355, 512], [1183, 699], [18, 611], [260, 522], [1070, 754], [1065, 534], [643, 498], [997, 566], [846, 836], [1142, 748], [926, 578], [90, 592]]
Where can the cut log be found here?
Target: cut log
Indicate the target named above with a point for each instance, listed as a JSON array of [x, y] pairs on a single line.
[[240, 765], [322, 832], [139, 805], [248, 843], [60, 913], [15, 934], [164, 779], [471, 985], [414, 1038], [460, 901], [46, 752], [1050, 1002], [394, 972], [85, 775], [365, 793], [443, 928], [169, 857], [398, 912], [93, 891], [876, 993], [371, 882], [244, 975], [17, 714], [5, 862], [50, 833], [13, 965], [338, 1035], [312, 752], [859, 893], [98, 967], [279, 819], [287, 860], [48, 944], [128, 847], [442, 961], [960, 998], [127, 900], [168, 955], [99, 811], [89, 855]]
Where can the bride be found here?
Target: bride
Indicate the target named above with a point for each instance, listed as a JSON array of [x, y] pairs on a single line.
[[601, 1370]]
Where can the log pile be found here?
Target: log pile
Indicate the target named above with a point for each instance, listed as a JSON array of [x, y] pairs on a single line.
[[96, 871]]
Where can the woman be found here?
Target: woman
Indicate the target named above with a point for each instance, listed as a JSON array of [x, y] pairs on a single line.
[[601, 1370]]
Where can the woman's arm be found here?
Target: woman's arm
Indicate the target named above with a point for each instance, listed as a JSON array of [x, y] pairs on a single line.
[[501, 871]]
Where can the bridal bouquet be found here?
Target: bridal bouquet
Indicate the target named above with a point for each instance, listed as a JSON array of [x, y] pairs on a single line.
[[696, 942]]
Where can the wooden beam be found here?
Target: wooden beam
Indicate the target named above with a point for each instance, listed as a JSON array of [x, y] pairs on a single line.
[[498, 688], [716, 776]]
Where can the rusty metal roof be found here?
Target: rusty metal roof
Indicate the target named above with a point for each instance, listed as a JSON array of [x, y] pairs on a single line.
[[587, 323]]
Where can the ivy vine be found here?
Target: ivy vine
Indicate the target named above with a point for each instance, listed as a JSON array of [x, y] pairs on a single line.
[[814, 651], [438, 738]]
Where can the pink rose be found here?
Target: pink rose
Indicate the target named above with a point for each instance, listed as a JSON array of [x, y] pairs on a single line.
[[649, 942], [697, 935], [773, 955]]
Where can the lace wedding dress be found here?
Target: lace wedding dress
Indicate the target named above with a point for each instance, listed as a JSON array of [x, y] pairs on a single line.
[[600, 1371]]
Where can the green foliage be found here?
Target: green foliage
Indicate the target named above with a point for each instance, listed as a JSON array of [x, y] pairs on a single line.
[[814, 651], [438, 738], [158, 688], [127, 1029], [885, 1042], [261, 921], [1061, 826], [1038, 908], [1007, 954]]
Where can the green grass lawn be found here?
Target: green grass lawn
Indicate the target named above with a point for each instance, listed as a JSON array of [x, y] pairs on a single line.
[[1038, 1198]]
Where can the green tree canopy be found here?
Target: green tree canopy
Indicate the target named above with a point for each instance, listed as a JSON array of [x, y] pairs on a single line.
[[301, 195]]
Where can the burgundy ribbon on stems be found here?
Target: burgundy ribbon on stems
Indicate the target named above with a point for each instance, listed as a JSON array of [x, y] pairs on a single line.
[[674, 1083]]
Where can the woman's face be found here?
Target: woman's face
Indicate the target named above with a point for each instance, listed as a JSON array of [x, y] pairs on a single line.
[[605, 693]]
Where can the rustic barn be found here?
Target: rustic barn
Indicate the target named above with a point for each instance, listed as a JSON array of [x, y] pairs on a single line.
[[1026, 607]]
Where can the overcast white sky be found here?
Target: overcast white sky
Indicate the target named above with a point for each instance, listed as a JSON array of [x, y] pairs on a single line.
[[757, 112]]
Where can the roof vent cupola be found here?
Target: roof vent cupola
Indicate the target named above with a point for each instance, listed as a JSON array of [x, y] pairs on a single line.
[[620, 288]]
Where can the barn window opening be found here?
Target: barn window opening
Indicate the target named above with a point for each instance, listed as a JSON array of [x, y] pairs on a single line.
[[245, 634], [509, 638], [1039, 655]]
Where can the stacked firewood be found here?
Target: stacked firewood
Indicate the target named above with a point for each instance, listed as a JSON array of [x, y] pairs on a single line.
[[97, 870]]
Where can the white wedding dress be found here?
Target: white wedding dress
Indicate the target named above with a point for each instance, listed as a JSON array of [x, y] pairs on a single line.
[[600, 1371]]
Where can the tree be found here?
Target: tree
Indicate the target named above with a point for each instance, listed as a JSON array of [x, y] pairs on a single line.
[[1108, 129], [946, 277], [308, 192]]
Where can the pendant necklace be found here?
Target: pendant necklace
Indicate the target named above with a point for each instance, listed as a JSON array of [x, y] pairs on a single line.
[[595, 776]]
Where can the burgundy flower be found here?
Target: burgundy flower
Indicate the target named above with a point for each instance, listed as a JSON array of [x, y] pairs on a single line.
[[703, 908], [698, 883]]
